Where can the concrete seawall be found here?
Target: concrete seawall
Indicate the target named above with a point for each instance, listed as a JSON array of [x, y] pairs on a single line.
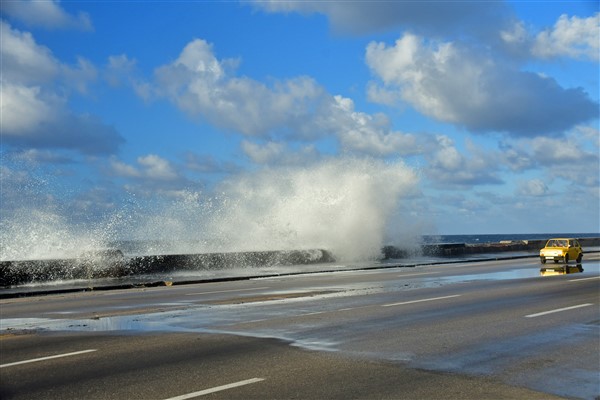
[[113, 264]]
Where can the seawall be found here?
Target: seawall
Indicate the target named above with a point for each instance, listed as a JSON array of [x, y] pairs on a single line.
[[113, 264]]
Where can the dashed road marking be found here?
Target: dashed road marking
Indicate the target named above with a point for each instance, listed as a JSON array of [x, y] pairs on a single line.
[[75, 353], [420, 301], [216, 389], [557, 310], [422, 273], [225, 291], [584, 279]]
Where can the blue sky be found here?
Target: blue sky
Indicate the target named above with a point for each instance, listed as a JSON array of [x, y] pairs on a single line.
[[457, 117]]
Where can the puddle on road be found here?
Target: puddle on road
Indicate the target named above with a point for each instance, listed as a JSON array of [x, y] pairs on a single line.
[[588, 270]]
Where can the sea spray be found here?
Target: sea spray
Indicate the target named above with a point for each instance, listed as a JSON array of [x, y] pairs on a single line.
[[44, 233], [343, 205], [340, 205]]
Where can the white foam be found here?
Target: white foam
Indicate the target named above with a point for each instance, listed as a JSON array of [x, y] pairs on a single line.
[[342, 205]]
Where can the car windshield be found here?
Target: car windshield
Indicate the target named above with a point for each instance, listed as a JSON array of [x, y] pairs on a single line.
[[557, 243]]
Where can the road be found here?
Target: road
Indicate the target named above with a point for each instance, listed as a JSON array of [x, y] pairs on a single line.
[[494, 329]]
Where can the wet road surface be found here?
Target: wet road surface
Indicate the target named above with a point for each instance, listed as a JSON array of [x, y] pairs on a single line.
[[493, 329]]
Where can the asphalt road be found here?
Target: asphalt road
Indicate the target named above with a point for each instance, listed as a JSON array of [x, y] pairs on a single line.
[[471, 331]]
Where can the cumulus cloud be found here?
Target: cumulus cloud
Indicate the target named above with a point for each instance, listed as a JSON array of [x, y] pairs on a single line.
[[279, 153], [39, 157], [432, 18], [263, 154], [570, 37], [119, 69], [206, 163], [370, 134], [121, 169], [552, 151], [34, 115], [150, 167], [574, 158], [23, 60], [46, 14], [449, 168], [295, 109], [156, 167], [151, 176], [199, 84], [34, 119], [494, 96], [533, 187]]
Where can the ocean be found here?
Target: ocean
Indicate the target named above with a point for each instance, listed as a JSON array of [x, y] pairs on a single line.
[[496, 238]]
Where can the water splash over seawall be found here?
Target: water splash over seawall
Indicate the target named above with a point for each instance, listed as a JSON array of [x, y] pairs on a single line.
[[344, 206]]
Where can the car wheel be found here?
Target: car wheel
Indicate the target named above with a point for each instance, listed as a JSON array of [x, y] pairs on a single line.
[[579, 257], [543, 260], [566, 258]]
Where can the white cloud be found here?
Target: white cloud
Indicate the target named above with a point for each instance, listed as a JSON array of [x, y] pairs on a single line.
[[33, 114], [149, 167], [37, 157], [449, 168], [591, 134], [124, 170], [369, 134], [46, 14], [23, 111], [533, 187], [553, 151], [119, 69], [23, 60], [157, 167], [296, 109], [493, 95], [78, 77], [516, 34], [437, 18], [574, 158], [570, 37], [206, 163], [197, 82], [279, 153], [34, 119], [263, 154]]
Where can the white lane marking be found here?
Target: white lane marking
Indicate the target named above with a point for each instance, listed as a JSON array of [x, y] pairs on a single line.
[[75, 353], [225, 291], [557, 310], [216, 389], [584, 279], [420, 301], [252, 321], [422, 273], [312, 313]]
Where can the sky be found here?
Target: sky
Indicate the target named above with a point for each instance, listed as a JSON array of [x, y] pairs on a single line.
[[363, 118]]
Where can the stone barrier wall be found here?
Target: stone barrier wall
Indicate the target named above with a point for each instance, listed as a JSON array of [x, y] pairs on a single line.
[[112, 263]]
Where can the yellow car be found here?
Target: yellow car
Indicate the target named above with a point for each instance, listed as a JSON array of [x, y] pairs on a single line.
[[561, 249]]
